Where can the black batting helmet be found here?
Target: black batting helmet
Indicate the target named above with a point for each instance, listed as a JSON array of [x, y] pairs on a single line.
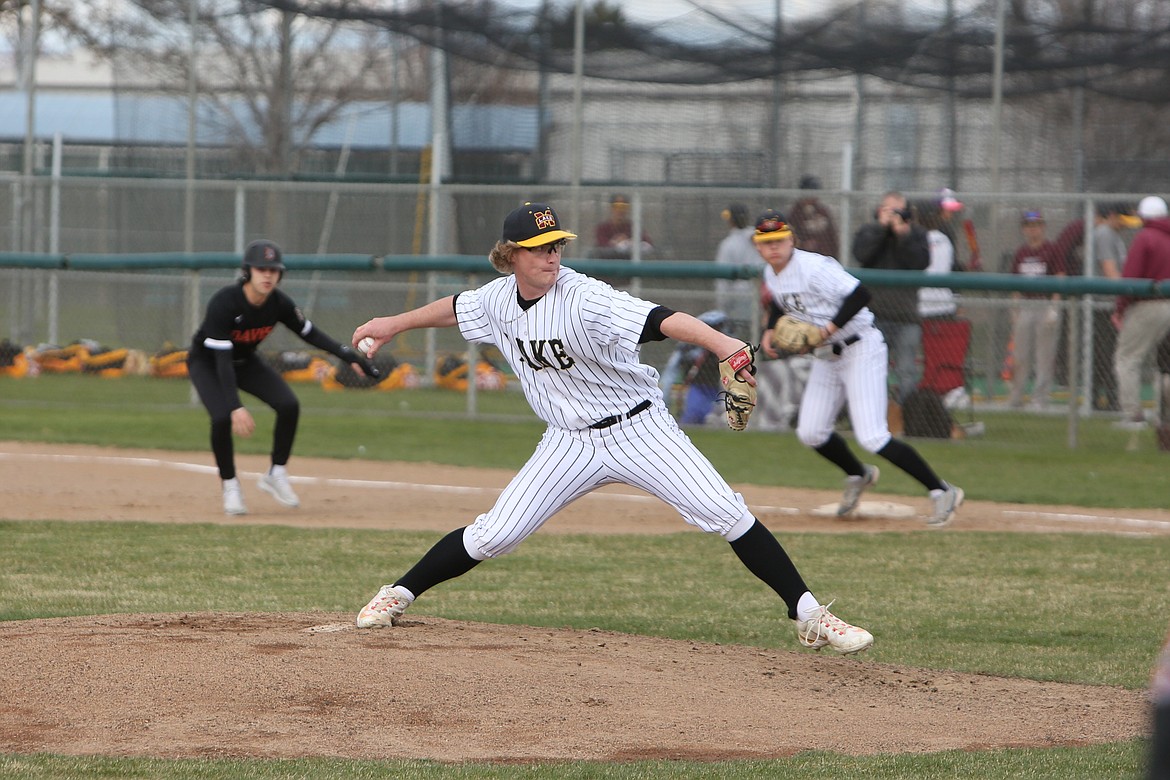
[[262, 253]]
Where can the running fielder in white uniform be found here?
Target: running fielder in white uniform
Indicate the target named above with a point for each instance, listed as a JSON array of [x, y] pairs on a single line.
[[574, 342], [850, 367]]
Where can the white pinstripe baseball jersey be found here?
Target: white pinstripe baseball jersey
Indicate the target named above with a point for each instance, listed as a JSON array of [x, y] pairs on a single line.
[[575, 351], [811, 288]]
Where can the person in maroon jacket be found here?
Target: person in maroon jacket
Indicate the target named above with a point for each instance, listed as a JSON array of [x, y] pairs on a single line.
[[1142, 323], [614, 236], [1036, 317]]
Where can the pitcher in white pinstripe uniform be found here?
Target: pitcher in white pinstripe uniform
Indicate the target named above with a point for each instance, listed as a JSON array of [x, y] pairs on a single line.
[[574, 343], [850, 367]]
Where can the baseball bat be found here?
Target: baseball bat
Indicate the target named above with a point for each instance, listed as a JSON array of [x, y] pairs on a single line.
[[976, 263]]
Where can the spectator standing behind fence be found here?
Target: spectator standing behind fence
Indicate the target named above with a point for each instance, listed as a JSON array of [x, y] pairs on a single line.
[[893, 242], [1036, 316], [1142, 323], [614, 236], [960, 230], [936, 301], [944, 337], [813, 222], [1109, 251], [736, 297]]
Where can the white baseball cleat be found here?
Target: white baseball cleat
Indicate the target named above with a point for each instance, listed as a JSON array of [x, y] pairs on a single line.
[[276, 485], [943, 506], [233, 498], [854, 487], [385, 608], [825, 628]]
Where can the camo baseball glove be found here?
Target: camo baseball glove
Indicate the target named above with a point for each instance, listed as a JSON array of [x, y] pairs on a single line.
[[794, 336], [739, 397]]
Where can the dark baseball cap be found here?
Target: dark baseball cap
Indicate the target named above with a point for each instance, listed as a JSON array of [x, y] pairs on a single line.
[[263, 253], [534, 224], [1032, 215], [771, 226]]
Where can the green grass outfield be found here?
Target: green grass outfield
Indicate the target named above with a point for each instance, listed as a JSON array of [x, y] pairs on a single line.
[[1069, 607]]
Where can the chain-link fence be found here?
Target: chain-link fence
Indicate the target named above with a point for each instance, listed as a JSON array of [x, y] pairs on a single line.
[[975, 362]]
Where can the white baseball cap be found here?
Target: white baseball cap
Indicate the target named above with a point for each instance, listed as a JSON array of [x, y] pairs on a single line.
[[1152, 207]]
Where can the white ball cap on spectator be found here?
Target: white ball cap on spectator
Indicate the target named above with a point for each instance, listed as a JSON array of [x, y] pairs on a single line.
[[1152, 207]]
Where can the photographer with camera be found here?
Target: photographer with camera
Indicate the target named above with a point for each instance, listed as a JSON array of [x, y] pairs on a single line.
[[895, 242]]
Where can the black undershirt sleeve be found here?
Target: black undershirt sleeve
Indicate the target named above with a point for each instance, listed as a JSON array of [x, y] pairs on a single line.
[[321, 340], [853, 303], [652, 330], [774, 313]]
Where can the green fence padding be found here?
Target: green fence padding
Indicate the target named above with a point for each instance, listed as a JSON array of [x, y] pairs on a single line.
[[617, 269]]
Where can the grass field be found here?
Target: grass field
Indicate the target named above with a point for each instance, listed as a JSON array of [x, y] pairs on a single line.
[[1066, 607]]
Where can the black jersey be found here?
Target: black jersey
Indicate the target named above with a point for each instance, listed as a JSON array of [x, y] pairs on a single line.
[[233, 323]]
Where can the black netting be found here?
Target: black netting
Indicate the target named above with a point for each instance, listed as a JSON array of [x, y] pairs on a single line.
[[1118, 50]]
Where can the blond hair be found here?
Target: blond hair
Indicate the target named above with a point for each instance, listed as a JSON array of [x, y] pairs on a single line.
[[501, 256]]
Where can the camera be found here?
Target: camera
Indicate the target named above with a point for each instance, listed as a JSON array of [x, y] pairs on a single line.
[[905, 214]]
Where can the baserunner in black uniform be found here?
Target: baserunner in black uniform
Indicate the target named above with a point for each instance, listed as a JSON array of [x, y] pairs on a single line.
[[223, 360]]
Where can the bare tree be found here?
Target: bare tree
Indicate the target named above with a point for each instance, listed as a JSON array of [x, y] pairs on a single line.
[[266, 79]]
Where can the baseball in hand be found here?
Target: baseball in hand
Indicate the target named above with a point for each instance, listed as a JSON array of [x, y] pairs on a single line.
[[365, 345]]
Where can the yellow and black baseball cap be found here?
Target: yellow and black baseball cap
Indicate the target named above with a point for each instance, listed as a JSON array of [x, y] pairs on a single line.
[[534, 224], [771, 226]]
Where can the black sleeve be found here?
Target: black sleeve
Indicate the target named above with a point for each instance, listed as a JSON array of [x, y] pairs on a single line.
[[853, 303], [774, 313], [295, 320], [321, 340], [652, 330]]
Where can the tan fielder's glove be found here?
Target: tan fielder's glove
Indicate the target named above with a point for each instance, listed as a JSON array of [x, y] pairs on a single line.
[[738, 396], [795, 337]]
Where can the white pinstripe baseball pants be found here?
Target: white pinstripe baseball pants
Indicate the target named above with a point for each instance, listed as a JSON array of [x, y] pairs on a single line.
[[647, 451], [858, 376]]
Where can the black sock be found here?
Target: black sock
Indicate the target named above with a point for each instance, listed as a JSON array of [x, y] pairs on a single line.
[[445, 561], [762, 554], [907, 458], [836, 451]]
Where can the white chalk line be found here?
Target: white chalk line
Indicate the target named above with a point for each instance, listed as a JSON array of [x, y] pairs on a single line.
[[1034, 515]]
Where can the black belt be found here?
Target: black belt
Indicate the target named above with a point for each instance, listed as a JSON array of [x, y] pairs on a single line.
[[614, 419], [839, 347]]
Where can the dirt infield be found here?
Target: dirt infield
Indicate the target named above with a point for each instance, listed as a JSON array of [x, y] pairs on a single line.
[[287, 685]]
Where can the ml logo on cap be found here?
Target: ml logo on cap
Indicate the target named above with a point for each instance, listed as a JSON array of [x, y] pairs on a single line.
[[269, 253], [545, 220]]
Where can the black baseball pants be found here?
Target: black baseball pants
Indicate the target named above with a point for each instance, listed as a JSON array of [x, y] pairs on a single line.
[[257, 378]]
